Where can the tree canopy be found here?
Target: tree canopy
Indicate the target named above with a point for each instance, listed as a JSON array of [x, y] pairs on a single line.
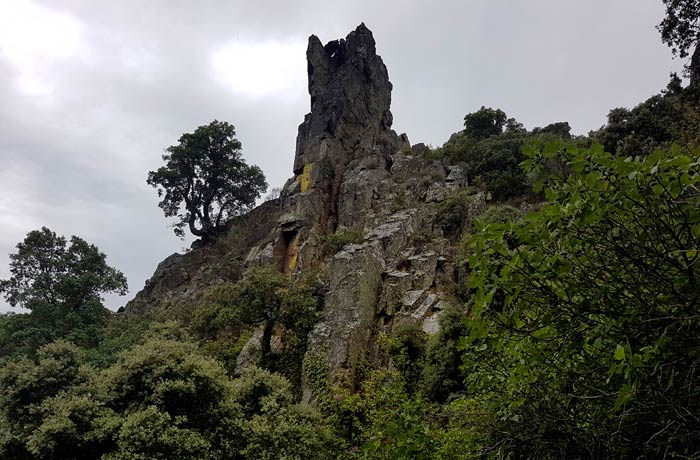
[[484, 123], [584, 330], [205, 180], [490, 146], [46, 269], [680, 29]]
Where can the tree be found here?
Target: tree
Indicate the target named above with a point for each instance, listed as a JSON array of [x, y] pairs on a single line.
[[265, 297], [680, 30], [584, 334], [46, 270], [161, 399], [25, 385], [560, 129], [205, 181], [487, 122], [673, 116]]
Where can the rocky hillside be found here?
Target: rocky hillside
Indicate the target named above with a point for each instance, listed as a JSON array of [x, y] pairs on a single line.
[[353, 175]]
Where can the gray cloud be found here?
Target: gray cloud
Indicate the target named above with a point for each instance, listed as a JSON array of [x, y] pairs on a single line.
[[75, 155]]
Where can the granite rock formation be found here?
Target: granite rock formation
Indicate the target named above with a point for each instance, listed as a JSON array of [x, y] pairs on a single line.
[[351, 171]]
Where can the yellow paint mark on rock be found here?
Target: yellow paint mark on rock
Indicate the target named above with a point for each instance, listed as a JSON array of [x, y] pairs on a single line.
[[292, 262], [305, 177], [292, 255]]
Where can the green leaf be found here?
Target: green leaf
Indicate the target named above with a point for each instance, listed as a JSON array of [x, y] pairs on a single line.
[[620, 353]]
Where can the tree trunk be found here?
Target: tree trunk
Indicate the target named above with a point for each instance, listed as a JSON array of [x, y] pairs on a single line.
[[267, 336], [193, 229]]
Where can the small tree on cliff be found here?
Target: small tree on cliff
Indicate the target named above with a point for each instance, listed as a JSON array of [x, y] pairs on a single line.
[[205, 181]]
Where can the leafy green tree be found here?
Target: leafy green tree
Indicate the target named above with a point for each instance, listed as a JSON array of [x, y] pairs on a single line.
[[673, 116], [205, 181], [274, 426], [680, 30], [456, 213], [265, 297], [442, 378], [47, 270], [585, 334], [561, 129], [486, 122], [167, 384], [490, 146], [26, 384], [61, 284], [255, 300], [25, 333], [407, 348]]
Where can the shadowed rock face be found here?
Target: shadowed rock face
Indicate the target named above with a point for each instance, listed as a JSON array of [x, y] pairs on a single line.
[[350, 99], [349, 120]]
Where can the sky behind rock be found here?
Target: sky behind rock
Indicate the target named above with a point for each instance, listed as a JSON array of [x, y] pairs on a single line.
[[93, 91]]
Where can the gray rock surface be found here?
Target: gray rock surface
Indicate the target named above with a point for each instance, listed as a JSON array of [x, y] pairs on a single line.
[[350, 171], [185, 278]]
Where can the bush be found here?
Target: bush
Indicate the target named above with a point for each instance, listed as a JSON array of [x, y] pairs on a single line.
[[456, 212], [442, 378], [263, 298], [406, 346], [500, 214], [585, 334], [663, 119], [333, 244]]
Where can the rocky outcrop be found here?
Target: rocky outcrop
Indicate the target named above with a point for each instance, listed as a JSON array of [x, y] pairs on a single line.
[[185, 278], [349, 120], [351, 171]]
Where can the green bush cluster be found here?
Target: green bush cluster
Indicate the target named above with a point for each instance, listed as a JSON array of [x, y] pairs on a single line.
[[263, 298], [490, 147], [160, 399], [456, 212], [335, 242], [662, 120], [584, 331]]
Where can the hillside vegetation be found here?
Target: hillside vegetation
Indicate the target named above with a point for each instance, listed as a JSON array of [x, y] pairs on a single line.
[[572, 330]]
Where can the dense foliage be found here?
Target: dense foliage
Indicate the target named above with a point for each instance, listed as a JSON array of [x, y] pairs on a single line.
[[573, 330], [585, 312], [205, 181], [60, 284], [662, 120], [45, 269], [161, 399], [680, 29], [490, 146]]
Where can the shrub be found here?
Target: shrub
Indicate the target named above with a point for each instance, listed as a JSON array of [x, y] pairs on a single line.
[[332, 244], [454, 214], [585, 335], [406, 346], [500, 214]]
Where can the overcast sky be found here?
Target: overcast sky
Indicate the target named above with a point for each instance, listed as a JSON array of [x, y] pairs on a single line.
[[92, 91]]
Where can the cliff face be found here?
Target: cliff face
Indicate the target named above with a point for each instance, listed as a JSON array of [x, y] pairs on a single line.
[[351, 170]]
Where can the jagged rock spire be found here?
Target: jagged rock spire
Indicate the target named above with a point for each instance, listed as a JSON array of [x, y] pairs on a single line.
[[350, 99]]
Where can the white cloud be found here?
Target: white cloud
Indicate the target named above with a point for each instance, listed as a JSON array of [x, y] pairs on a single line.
[[33, 39], [260, 69]]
